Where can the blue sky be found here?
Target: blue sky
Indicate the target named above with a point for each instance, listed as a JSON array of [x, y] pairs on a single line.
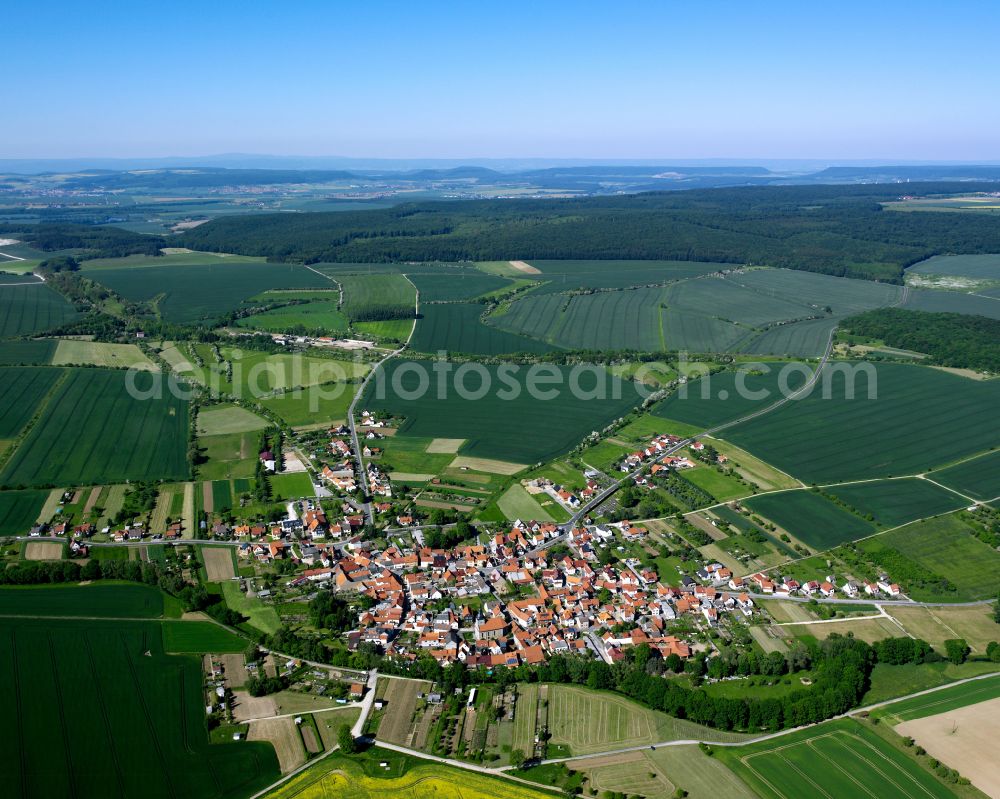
[[693, 79]]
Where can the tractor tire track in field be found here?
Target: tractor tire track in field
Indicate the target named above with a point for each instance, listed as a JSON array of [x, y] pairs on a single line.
[[61, 705], [137, 686], [19, 709], [102, 704], [9, 458]]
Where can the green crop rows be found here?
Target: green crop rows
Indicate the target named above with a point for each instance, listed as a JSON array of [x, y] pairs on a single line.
[[95, 432], [456, 327], [523, 429], [918, 417], [21, 390], [198, 292], [811, 518], [25, 310]]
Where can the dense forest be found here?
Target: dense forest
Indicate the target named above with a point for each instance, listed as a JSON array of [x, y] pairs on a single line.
[[90, 241], [838, 230], [949, 339]]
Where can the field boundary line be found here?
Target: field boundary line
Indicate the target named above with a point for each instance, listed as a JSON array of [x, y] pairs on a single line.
[[886, 758]]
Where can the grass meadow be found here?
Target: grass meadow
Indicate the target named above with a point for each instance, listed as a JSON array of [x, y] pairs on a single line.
[[945, 546], [587, 721]]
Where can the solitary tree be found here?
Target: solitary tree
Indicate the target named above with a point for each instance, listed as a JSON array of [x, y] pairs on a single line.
[[956, 650], [516, 758], [346, 740]]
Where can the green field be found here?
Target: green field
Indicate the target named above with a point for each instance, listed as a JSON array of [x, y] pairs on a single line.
[[814, 520], [574, 274], [200, 292], [110, 600], [969, 693], [952, 302], [807, 339], [587, 721], [217, 420], [27, 352], [192, 637], [22, 388], [719, 485], [253, 375], [137, 730], [72, 352], [461, 285], [263, 617], [457, 327], [726, 298], [313, 405], [228, 456], [722, 397], [978, 478], [943, 546], [974, 266], [921, 417], [896, 502], [844, 296], [316, 316], [292, 486], [95, 432], [365, 292], [19, 510], [836, 759], [392, 329], [523, 429], [517, 503], [607, 320], [26, 310]]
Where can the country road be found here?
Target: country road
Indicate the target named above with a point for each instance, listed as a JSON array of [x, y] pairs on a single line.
[[610, 490], [355, 442]]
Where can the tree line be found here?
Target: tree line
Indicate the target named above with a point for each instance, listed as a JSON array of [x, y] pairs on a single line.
[[949, 339], [837, 230]]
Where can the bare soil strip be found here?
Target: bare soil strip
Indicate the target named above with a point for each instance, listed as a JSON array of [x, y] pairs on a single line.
[[522, 266], [218, 563]]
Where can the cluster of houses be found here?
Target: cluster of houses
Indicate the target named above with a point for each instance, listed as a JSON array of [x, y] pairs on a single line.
[[341, 474], [300, 538], [656, 449], [567, 497], [827, 588], [507, 602]]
